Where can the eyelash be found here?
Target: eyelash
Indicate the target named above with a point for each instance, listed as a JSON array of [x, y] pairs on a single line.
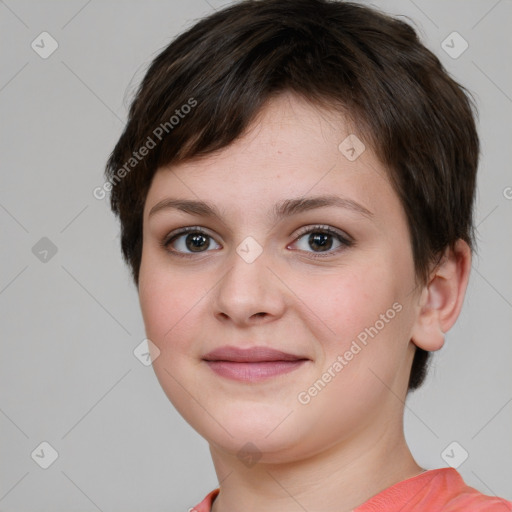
[[344, 240]]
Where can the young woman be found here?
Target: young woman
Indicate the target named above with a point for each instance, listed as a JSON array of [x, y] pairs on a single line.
[[295, 186]]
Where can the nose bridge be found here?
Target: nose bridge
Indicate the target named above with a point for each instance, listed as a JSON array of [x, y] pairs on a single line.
[[249, 287]]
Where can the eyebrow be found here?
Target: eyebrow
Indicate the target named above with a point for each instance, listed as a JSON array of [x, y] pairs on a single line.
[[282, 209]]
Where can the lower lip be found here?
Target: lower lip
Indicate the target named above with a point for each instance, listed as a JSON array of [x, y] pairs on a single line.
[[253, 372]]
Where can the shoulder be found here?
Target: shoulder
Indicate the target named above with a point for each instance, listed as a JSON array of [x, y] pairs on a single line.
[[465, 497], [436, 490], [206, 504]]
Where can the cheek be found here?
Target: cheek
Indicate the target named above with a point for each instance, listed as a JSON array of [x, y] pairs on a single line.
[[353, 300], [364, 317], [167, 300], [359, 362]]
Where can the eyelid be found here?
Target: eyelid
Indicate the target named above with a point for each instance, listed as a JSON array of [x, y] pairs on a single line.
[[328, 229], [186, 229]]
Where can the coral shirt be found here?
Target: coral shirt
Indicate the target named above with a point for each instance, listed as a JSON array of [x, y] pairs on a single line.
[[437, 490]]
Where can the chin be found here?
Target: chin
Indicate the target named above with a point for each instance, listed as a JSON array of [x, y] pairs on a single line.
[[249, 448], [268, 434]]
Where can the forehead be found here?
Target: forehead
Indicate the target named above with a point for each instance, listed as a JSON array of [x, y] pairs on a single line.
[[291, 149]]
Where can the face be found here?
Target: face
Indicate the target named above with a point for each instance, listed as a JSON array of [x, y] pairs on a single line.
[[330, 283]]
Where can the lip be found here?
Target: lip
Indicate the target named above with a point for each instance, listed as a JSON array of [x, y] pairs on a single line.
[[256, 354], [252, 364]]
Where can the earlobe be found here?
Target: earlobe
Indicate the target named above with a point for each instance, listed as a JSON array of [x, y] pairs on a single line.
[[442, 299]]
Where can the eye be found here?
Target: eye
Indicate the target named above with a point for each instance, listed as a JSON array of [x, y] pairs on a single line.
[[187, 241], [193, 240], [320, 238]]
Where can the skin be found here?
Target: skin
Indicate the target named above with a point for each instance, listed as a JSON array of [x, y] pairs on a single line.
[[347, 443]]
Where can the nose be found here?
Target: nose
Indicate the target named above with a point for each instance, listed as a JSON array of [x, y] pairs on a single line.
[[250, 291]]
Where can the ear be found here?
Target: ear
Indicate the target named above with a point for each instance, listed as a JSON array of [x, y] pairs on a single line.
[[441, 300]]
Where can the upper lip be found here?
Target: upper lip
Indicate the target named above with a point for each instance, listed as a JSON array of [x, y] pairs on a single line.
[[249, 355]]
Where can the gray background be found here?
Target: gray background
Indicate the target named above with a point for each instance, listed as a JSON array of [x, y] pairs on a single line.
[[71, 320]]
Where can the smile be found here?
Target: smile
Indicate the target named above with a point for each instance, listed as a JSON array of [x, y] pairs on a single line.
[[252, 364], [253, 371]]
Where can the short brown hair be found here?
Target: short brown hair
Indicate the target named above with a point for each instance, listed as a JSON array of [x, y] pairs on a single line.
[[340, 55]]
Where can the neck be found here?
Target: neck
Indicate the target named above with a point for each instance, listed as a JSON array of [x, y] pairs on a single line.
[[338, 479]]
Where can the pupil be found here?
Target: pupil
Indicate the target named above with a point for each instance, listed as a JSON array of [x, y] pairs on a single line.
[[320, 240], [196, 240]]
